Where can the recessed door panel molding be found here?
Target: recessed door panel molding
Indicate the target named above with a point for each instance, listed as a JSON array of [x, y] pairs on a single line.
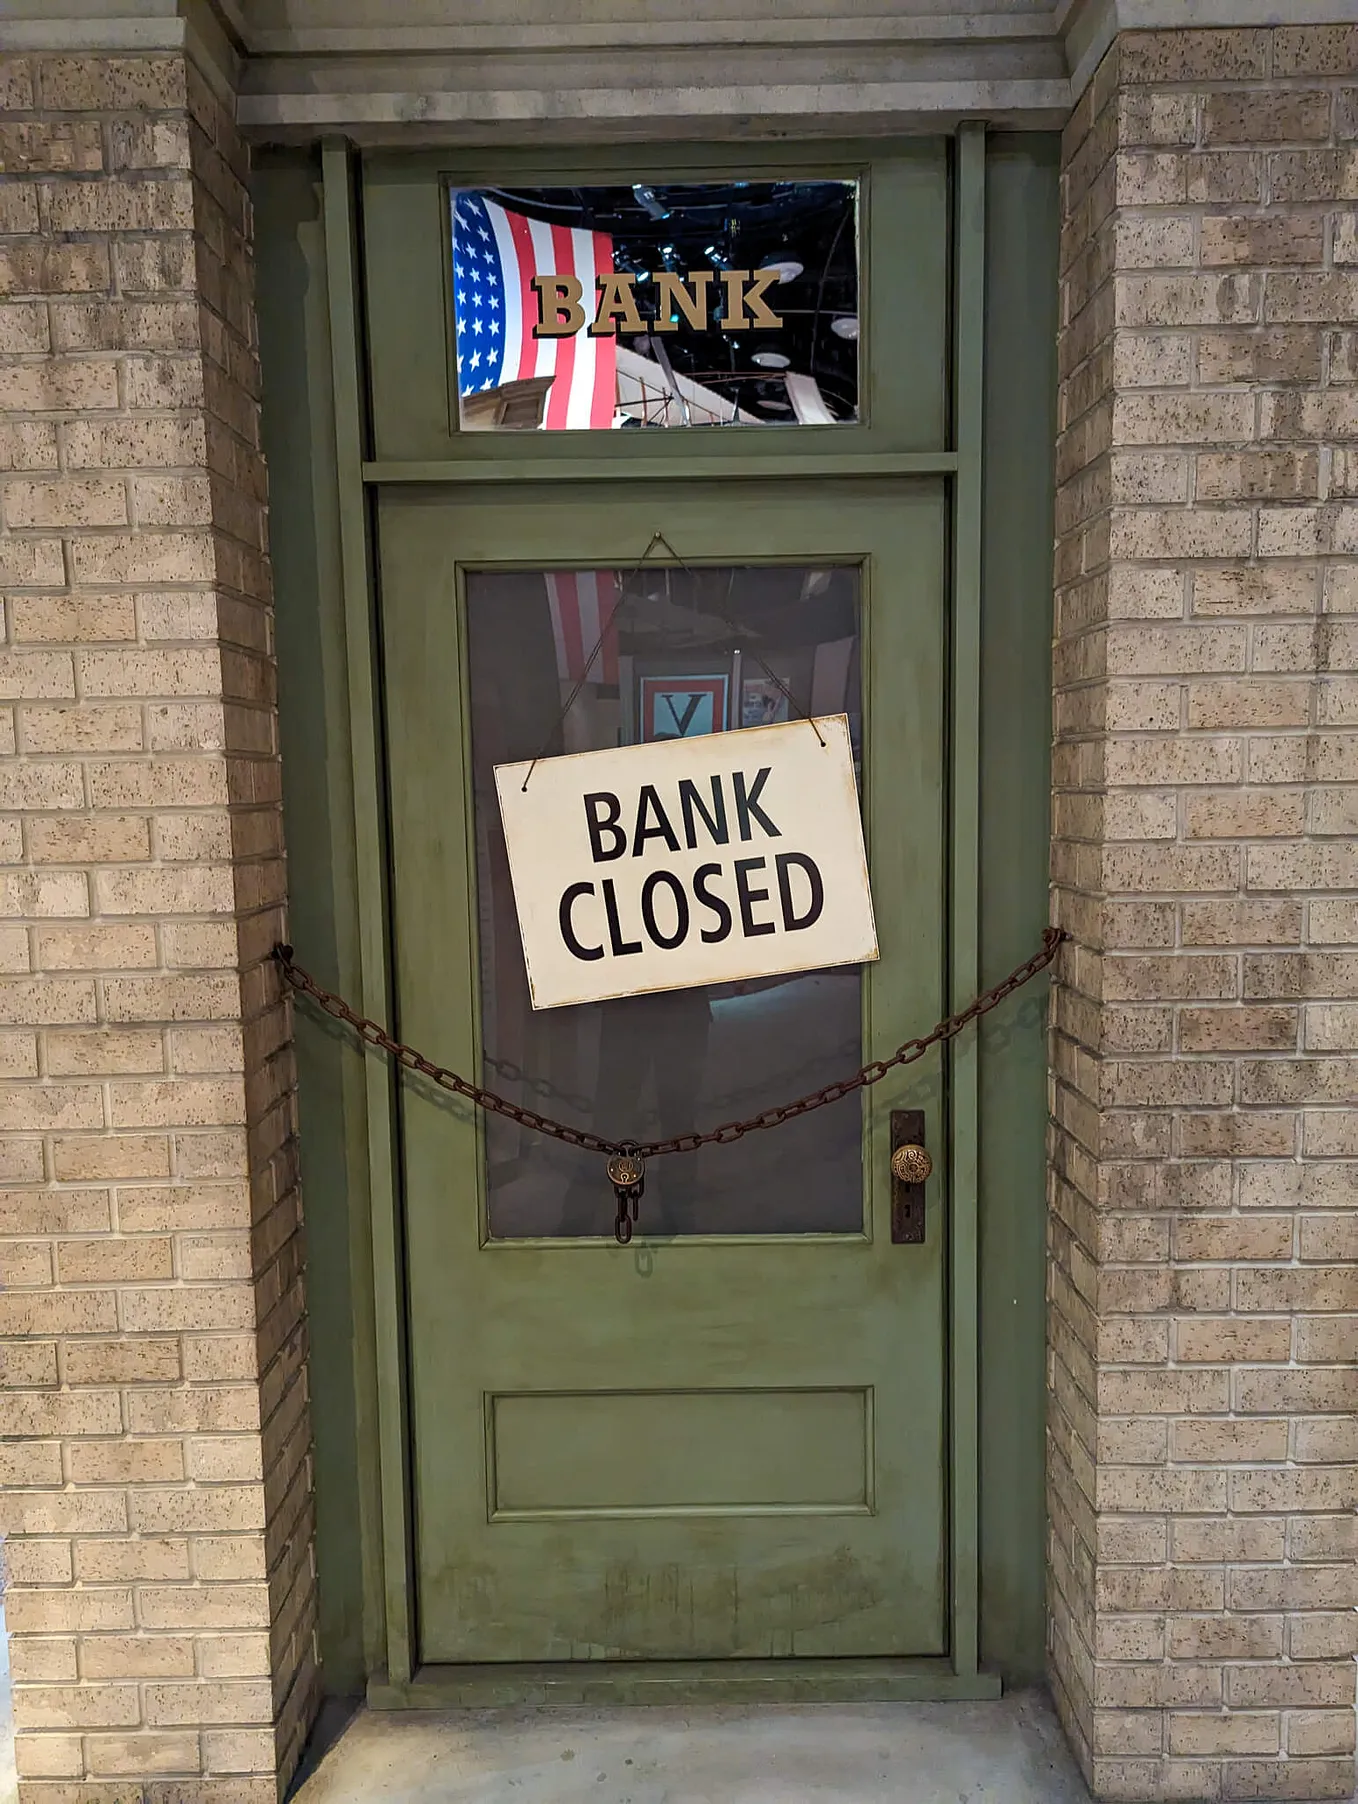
[[679, 1453]]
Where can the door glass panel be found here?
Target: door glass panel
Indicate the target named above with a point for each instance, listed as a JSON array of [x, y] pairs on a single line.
[[665, 304], [659, 653]]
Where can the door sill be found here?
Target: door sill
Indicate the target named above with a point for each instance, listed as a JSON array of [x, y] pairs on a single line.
[[610, 1682]]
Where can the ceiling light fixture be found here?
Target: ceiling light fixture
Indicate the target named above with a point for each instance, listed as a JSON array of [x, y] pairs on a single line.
[[648, 198], [846, 326]]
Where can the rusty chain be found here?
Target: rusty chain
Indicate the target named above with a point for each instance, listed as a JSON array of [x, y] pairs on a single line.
[[872, 1073]]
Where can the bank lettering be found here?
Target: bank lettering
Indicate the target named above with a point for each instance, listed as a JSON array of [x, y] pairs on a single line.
[[713, 901], [561, 309]]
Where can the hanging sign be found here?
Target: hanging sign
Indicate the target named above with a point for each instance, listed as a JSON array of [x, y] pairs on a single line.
[[688, 861]]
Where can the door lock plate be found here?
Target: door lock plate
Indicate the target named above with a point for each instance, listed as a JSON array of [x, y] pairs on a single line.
[[907, 1200]]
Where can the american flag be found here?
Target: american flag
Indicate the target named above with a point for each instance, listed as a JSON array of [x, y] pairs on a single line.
[[582, 604], [495, 256]]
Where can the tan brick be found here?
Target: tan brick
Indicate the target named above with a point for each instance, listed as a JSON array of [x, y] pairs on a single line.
[[134, 1462], [28, 445], [80, 729], [18, 1055], [30, 1463], [142, 1755], [225, 1656], [1317, 1683], [125, 444], [1323, 1635], [222, 1557], [49, 1756], [38, 267], [1242, 923], [193, 996], [102, 1362], [215, 1257], [101, 1053], [24, 1262], [43, 146], [76, 1160], [221, 1407], [1315, 50], [89, 83], [91, 839], [1294, 1391], [92, 501], [214, 1701], [1228, 1538], [1319, 1732], [113, 1261], [1327, 1340], [37, 1562], [202, 889], [1224, 1732], [158, 783], [1220, 1341], [59, 384], [1262, 589], [73, 620], [1226, 1637], [1239, 1029], [1254, 116], [147, 1557], [1229, 1443], [1282, 241], [52, 1612], [1248, 702], [27, 1365], [33, 1658], [205, 1607], [199, 1306], [239, 1750], [143, 557]]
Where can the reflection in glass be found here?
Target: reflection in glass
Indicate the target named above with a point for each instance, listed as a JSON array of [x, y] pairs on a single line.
[[687, 652], [680, 304]]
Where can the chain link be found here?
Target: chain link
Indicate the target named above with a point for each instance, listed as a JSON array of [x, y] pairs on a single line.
[[872, 1073]]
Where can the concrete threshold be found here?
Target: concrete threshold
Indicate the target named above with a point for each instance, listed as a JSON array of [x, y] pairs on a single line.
[[1008, 1752]]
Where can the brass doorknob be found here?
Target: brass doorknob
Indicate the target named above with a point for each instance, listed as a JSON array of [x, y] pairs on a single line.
[[911, 1164]]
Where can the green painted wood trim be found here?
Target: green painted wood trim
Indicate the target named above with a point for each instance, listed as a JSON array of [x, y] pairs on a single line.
[[298, 430], [587, 469], [684, 1682], [964, 848], [903, 232], [1022, 241], [375, 982]]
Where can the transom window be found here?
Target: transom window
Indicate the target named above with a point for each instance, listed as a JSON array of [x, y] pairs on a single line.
[[656, 305]]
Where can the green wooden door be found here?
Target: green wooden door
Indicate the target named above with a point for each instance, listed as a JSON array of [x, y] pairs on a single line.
[[712, 1443]]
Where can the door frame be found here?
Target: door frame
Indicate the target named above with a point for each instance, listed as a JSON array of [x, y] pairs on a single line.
[[959, 462]]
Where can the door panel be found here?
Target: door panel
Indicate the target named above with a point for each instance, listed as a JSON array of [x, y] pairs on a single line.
[[712, 1443]]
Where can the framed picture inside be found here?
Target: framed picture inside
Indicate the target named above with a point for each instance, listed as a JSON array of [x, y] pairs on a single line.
[[683, 706]]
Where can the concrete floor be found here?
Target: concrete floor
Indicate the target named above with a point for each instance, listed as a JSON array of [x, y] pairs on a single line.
[[1010, 1752]]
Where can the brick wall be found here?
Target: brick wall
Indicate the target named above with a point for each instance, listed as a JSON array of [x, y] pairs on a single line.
[[155, 1468], [1205, 1141]]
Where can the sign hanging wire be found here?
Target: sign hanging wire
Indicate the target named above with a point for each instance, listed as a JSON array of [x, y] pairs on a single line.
[[626, 594]]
